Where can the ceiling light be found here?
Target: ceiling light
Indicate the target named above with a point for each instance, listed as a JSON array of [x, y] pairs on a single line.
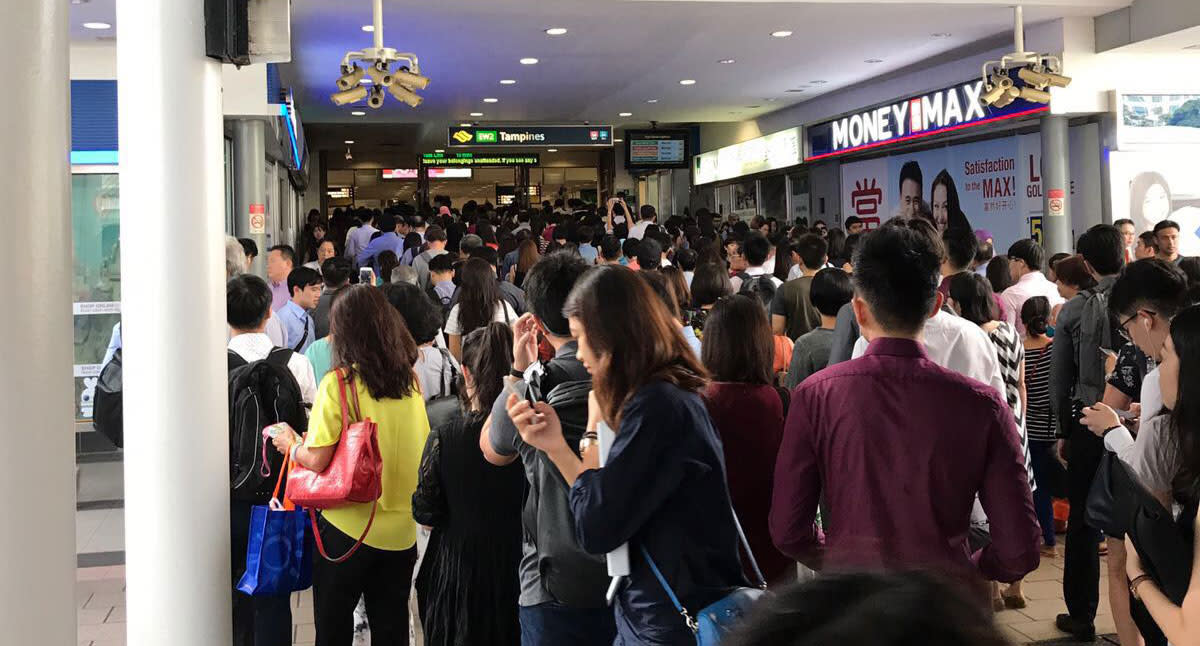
[[651, 100], [529, 61], [687, 82], [873, 61], [491, 100], [349, 142], [476, 114], [625, 114], [727, 61], [464, 125], [556, 31], [368, 28], [96, 25], [781, 34], [617, 141], [551, 150], [439, 150], [358, 113], [507, 82]]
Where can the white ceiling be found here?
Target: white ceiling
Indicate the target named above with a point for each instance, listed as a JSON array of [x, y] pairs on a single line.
[[619, 54]]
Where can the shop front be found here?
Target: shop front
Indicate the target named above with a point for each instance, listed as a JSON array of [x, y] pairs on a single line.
[[761, 176], [924, 153]]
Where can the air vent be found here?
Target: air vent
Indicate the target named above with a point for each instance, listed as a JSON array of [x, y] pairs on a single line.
[[798, 89]]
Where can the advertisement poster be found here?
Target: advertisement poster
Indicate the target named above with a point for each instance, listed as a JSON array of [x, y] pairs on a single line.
[[1149, 187], [96, 285], [998, 183]]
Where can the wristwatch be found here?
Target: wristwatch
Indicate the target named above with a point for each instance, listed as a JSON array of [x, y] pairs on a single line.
[[519, 374], [587, 441], [1137, 582]]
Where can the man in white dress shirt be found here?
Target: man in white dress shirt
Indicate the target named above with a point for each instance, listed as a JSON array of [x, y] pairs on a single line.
[[1025, 261]]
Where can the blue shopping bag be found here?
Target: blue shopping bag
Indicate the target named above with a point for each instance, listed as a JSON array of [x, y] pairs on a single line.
[[279, 553]]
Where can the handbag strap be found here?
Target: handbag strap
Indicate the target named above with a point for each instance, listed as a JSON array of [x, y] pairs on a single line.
[[662, 580], [286, 503], [312, 514], [344, 378]]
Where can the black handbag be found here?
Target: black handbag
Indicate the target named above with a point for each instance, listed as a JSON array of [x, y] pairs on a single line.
[[1104, 498]]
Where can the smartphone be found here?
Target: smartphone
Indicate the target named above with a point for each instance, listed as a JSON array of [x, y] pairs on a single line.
[[1126, 415], [366, 276], [522, 391]]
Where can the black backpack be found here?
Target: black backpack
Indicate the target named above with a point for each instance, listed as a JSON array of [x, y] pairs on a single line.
[[573, 577], [107, 416], [261, 393]]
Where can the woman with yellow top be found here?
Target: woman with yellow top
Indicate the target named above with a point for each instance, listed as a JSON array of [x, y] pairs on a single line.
[[372, 345]]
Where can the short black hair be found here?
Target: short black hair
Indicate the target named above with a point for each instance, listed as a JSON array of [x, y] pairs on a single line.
[[1166, 224], [851, 221], [1122, 222], [1028, 252], [434, 233], [421, 315], [686, 259], [337, 270], [1152, 284], [487, 253], [830, 290], [286, 251], [441, 263], [630, 247], [1149, 239], [247, 302], [301, 278], [895, 272], [250, 247], [961, 247], [649, 254], [666, 293], [1104, 249], [813, 250], [710, 283], [911, 170], [755, 248], [648, 212], [547, 286], [610, 247], [584, 234]]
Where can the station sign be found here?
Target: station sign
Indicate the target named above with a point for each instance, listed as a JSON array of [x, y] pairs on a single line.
[[528, 136], [953, 108], [769, 152], [479, 160]]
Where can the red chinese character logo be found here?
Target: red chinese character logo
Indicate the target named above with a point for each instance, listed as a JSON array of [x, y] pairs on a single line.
[[866, 197]]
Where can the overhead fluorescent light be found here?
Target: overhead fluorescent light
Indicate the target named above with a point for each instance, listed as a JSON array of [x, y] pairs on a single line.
[[556, 31], [727, 61], [651, 100], [368, 28], [476, 114], [491, 100], [688, 82], [783, 33], [507, 82], [349, 142], [358, 113], [96, 25], [625, 114], [529, 61]]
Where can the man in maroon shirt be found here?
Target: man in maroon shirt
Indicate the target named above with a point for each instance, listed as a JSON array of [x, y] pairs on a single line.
[[899, 446]]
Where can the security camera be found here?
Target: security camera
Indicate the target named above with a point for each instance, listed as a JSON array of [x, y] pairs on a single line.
[[350, 77], [352, 95], [376, 98], [402, 93], [348, 155], [1034, 95], [413, 81], [1036, 72], [379, 74]]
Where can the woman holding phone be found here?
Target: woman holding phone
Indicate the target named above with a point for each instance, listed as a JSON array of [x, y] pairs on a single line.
[[663, 486]]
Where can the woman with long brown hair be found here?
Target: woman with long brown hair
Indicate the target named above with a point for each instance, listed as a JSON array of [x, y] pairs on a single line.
[[527, 257], [374, 353], [662, 489], [480, 302]]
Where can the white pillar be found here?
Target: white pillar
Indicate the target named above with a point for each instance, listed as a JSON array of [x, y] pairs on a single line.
[[173, 312], [37, 463]]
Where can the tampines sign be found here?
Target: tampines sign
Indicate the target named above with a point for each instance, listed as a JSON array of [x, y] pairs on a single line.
[[528, 136], [951, 108]]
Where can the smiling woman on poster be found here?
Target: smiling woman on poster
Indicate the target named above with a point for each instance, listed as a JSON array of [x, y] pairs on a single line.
[[943, 201]]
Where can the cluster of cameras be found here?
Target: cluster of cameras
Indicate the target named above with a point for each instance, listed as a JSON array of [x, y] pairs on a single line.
[[1000, 89], [401, 84]]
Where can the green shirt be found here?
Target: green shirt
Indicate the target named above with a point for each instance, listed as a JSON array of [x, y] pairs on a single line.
[[320, 355]]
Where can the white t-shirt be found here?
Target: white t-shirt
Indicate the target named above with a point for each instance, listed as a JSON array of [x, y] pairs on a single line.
[[1151, 398], [434, 371], [638, 230], [256, 347], [504, 314]]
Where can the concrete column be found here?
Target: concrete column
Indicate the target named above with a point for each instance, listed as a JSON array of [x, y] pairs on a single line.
[[250, 186], [1056, 186], [176, 452], [37, 465]]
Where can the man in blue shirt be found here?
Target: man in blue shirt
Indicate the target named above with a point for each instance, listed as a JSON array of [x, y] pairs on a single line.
[[394, 229], [305, 285], [583, 238]]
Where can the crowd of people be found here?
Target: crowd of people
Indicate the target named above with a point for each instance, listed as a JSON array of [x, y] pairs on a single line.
[[889, 417]]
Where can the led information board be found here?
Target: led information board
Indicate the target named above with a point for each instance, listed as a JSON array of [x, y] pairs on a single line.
[[479, 160], [528, 136], [656, 148]]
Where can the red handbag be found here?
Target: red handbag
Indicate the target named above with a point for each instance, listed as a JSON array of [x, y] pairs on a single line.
[[354, 475]]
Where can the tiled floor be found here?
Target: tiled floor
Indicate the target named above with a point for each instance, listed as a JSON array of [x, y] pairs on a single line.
[[101, 602]]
